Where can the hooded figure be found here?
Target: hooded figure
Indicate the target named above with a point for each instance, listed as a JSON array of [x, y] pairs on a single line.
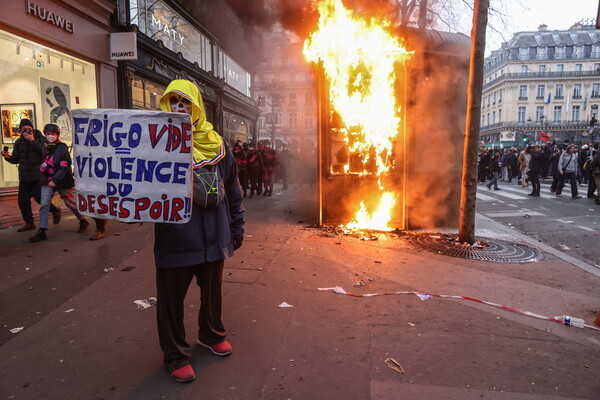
[[183, 96], [198, 248]]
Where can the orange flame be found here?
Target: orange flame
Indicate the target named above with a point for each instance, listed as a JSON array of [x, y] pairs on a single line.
[[360, 59]]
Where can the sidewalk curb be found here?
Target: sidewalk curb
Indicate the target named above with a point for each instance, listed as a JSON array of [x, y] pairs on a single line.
[[513, 234]]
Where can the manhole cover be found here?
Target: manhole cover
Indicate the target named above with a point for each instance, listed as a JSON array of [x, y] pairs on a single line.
[[485, 249]]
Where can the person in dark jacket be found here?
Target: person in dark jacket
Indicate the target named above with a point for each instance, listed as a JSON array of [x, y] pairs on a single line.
[[199, 247], [269, 158], [57, 176], [240, 159], [253, 169], [495, 169], [27, 152], [536, 169]]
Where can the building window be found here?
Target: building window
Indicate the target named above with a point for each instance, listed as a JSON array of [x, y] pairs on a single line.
[[308, 120], [524, 53], [577, 91], [489, 96], [557, 113], [523, 92], [521, 115], [308, 99], [293, 99], [596, 90], [558, 94], [500, 96], [559, 53], [578, 51], [578, 67], [292, 119], [575, 114], [523, 69], [541, 90], [539, 113], [560, 68], [488, 119], [595, 51], [495, 95], [542, 53], [499, 116], [542, 69], [493, 117]]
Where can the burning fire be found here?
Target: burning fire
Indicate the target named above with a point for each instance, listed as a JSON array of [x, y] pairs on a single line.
[[360, 59]]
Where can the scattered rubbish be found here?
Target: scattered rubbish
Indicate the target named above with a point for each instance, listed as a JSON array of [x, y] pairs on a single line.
[[248, 236], [70, 310], [597, 320], [17, 330], [411, 324], [423, 296], [576, 246], [377, 262], [435, 236], [395, 365], [30, 288], [564, 247], [527, 216], [126, 269], [571, 321], [285, 305], [359, 283], [26, 269], [142, 304], [109, 269]]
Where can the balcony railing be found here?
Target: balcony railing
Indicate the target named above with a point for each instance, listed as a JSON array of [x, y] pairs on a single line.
[[524, 126], [542, 75]]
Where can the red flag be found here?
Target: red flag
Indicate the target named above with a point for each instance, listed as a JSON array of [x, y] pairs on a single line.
[[544, 137]]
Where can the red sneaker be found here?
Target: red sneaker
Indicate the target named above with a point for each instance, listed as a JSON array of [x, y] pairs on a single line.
[[184, 374], [220, 349]]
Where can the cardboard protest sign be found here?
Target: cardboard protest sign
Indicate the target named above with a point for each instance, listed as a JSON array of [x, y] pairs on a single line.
[[133, 165]]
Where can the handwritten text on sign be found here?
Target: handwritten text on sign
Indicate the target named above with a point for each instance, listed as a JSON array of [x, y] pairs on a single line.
[[133, 165]]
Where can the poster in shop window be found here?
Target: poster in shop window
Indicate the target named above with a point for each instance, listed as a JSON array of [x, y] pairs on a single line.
[[133, 165], [12, 114], [56, 106]]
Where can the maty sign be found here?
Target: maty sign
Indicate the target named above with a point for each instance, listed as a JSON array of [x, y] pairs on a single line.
[[133, 165]]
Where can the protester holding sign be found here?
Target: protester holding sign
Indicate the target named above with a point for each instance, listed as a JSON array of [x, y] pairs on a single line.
[[57, 176], [197, 248]]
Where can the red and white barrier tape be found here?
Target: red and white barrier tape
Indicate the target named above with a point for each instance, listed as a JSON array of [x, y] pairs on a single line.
[[426, 296]]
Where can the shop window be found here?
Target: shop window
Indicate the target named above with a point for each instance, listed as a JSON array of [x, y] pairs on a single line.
[[145, 94], [43, 84]]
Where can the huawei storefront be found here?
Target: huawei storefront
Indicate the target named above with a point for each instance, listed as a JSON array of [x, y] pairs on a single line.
[[53, 58]]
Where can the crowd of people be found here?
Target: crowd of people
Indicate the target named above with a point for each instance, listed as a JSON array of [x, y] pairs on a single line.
[[260, 166], [565, 163]]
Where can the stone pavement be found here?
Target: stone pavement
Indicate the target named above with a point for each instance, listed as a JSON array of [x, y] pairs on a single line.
[[89, 341]]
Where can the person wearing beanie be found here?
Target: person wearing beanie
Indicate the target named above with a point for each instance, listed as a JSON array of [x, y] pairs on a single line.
[[56, 176], [27, 154]]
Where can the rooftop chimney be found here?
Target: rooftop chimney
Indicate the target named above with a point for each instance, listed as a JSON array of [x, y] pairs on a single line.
[[542, 28]]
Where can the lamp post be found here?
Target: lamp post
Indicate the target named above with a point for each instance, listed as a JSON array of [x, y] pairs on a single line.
[[526, 138], [539, 138]]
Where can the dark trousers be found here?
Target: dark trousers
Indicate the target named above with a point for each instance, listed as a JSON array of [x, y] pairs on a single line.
[[27, 190], [172, 285], [535, 182], [571, 177]]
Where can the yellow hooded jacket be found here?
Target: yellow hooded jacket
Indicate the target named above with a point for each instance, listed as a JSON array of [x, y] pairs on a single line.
[[208, 146]]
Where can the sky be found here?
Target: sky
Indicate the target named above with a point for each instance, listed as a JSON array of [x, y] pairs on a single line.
[[527, 15]]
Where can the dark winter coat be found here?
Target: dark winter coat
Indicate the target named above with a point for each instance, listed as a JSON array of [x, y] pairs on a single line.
[[538, 162], [56, 166], [29, 157], [254, 161], [208, 236]]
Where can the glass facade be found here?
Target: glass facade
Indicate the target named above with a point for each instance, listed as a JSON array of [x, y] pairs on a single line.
[[41, 84]]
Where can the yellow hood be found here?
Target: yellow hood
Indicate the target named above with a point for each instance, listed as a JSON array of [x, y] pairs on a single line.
[[208, 145]]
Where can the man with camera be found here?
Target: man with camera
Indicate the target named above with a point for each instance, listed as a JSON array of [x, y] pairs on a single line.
[[27, 153]]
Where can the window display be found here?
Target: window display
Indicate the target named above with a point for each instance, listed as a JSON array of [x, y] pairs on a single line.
[[43, 85]]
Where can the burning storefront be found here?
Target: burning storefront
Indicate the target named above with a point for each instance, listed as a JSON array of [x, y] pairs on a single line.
[[391, 121]]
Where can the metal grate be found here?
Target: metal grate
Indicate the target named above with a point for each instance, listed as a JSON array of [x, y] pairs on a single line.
[[485, 249]]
